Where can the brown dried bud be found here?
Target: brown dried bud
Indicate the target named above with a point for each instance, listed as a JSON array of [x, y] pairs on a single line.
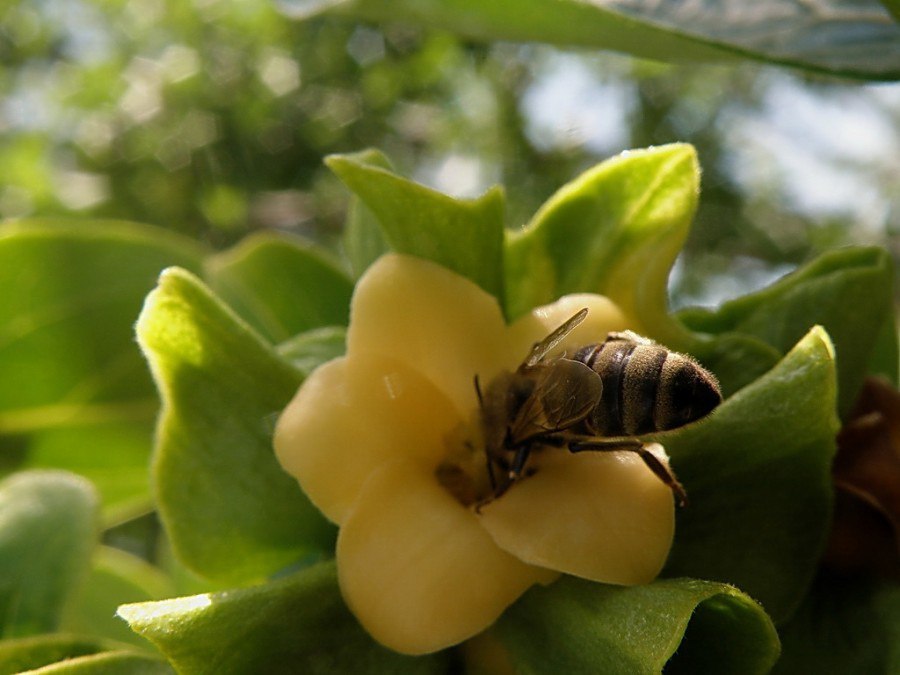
[[865, 535]]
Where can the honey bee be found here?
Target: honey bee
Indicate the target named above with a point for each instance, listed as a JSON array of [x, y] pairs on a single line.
[[600, 399]]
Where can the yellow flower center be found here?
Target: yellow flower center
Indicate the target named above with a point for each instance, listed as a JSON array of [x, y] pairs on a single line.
[[463, 471]]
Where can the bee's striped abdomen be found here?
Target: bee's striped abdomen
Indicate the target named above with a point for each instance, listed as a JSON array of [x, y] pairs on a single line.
[[646, 387]]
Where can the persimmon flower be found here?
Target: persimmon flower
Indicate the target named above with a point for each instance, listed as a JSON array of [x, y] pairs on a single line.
[[386, 442]]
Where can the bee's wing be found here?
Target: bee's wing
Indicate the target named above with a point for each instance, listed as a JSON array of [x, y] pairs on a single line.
[[542, 348], [564, 393]]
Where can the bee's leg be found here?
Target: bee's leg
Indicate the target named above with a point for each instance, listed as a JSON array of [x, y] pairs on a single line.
[[518, 463], [665, 474], [497, 490], [603, 444], [634, 445], [491, 476], [515, 471]]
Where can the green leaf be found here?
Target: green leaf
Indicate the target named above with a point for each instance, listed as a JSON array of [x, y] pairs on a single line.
[[108, 663], [737, 360], [281, 285], [856, 40], [231, 512], [846, 625], [893, 6], [73, 291], [184, 581], [23, 654], [298, 624], [849, 292], [576, 626], [114, 457], [464, 235], [116, 577], [614, 230], [310, 350], [758, 475], [48, 528], [73, 379], [363, 241], [885, 359]]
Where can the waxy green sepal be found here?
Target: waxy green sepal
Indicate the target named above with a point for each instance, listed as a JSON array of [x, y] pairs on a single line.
[[297, 624], [575, 626], [223, 387], [758, 476], [463, 235], [614, 230], [281, 285], [847, 291]]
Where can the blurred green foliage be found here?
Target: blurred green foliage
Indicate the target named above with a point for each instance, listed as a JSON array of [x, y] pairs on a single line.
[[212, 118]]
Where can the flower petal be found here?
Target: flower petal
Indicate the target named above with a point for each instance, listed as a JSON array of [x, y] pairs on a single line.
[[417, 569], [603, 317], [436, 321], [602, 516], [351, 416]]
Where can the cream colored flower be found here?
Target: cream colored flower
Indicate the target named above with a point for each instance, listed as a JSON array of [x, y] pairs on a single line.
[[369, 436]]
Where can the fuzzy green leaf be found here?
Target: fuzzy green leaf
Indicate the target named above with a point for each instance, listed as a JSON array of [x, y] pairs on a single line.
[[758, 475], [885, 360], [363, 241], [849, 292], [614, 230], [893, 6], [48, 528], [74, 385], [116, 577], [113, 456], [310, 350], [737, 360], [576, 626], [231, 512], [22, 654], [298, 624], [846, 625], [108, 663], [464, 235], [857, 39], [281, 286]]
